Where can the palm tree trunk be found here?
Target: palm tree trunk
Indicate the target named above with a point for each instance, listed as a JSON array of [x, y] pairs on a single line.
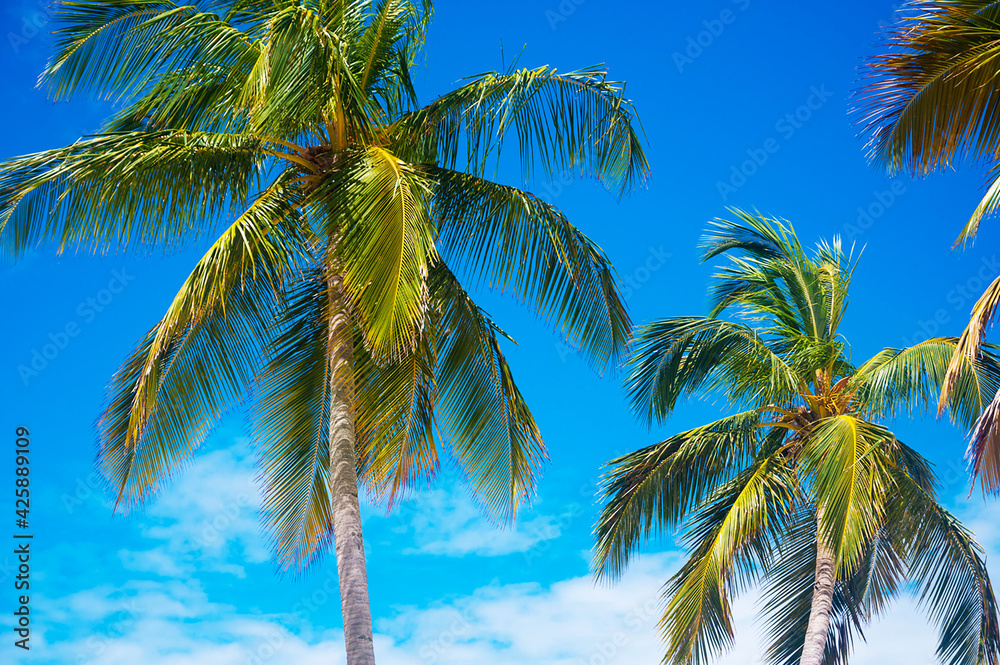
[[345, 509], [822, 601]]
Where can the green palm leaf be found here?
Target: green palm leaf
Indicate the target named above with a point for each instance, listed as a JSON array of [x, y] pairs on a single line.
[[378, 205], [292, 423], [577, 122], [954, 585], [653, 489], [519, 244], [851, 461], [493, 434], [121, 190], [681, 355], [733, 535]]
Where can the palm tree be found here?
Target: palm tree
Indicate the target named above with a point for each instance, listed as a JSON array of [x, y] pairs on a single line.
[[328, 297], [932, 98], [803, 492]]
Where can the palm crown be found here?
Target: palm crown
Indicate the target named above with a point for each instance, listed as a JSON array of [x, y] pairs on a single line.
[[330, 300], [805, 492]]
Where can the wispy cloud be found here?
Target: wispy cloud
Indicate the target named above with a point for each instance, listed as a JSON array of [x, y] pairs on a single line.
[[206, 520], [445, 522]]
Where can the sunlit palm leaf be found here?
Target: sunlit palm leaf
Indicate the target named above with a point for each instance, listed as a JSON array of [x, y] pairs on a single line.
[[493, 434], [519, 244], [897, 382], [573, 123], [186, 387], [933, 95], [732, 535], [113, 191], [851, 461], [199, 360], [378, 206], [652, 490]]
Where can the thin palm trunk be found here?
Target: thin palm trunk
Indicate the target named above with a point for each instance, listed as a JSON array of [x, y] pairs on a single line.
[[822, 601], [345, 508]]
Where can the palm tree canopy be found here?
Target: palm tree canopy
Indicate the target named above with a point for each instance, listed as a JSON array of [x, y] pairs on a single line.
[[341, 211], [931, 99], [932, 96], [806, 456]]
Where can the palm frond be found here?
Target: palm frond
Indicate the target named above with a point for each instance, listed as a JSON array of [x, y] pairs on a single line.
[[396, 426], [200, 358], [733, 536], [519, 244], [678, 356], [970, 344], [119, 190], [770, 277], [653, 489], [949, 568], [184, 388], [572, 123], [850, 461], [932, 96], [897, 382], [492, 432], [377, 206], [292, 420], [984, 448]]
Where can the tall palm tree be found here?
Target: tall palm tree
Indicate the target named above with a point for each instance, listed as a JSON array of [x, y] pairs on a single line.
[[328, 298], [803, 492], [933, 98]]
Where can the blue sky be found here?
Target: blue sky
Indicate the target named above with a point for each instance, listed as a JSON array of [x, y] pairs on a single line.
[[721, 86]]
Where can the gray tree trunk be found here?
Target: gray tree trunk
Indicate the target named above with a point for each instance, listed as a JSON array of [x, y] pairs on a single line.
[[345, 509], [822, 602]]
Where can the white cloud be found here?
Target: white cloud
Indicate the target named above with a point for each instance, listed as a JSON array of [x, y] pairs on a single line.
[[568, 623], [205, 520], [445, 522], [571, 622], [174, 623]]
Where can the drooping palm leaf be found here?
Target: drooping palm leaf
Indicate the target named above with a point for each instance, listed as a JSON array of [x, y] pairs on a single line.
[[492, 432], [124, 190], [517, 243], [573, 123], [732, 536], [653, 489]]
